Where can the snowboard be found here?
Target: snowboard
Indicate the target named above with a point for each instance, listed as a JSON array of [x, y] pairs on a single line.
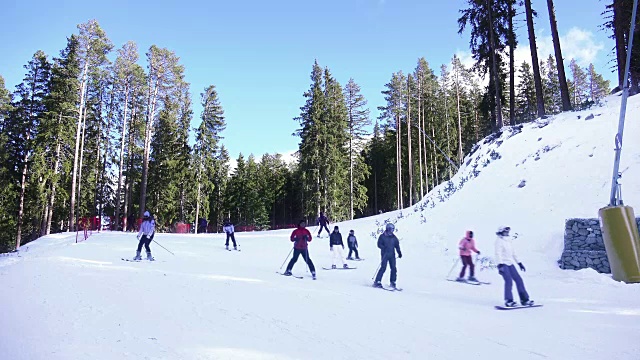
[[517, 307], [339, 268], [295, 276], [131, 260], [234, 250]]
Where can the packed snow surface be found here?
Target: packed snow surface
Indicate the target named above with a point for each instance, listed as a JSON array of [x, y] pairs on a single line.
[[65, 300]]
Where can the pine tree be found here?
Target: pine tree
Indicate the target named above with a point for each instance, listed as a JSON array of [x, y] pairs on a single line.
[[537, 79], [29, 108], [358, 121], [551, 84], [598, 86], [526, 100], [562, 79], [7, 192], [578, 86]]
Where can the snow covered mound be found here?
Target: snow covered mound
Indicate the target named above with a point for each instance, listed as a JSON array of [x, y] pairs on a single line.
[[65, 300]]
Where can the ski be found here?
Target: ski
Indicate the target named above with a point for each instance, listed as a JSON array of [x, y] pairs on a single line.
[[131, 260], [297, 277], [355, 259], [387, 288], [470, 282], [338, 268], [517, 307]]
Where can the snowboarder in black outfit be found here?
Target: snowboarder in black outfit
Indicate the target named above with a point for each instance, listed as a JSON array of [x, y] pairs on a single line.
[[336, 246], [323, 221], [388, 244], [300, 238], [353, 245]]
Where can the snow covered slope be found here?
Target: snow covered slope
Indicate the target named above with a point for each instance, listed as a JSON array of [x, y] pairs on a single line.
[[62, 300]]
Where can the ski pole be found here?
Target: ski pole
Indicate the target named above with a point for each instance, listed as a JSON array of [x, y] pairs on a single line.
[[285, 259], [375, 273], [453, 267], [164, 248], [306, 260]]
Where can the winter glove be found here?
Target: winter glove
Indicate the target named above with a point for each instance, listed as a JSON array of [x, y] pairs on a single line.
[[399, 255], [521, 266], [501, 269], [342, 247], [306, 237], [331, 248], [478, 253]]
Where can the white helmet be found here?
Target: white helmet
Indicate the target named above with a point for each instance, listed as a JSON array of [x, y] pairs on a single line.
[[146, 214]]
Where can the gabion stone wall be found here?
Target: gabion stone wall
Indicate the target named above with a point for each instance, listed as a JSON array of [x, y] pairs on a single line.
[[584, 246]]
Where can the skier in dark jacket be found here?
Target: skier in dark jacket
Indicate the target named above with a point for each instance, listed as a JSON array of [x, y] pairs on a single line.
[[388, 245], [230, 231], [145, 236], [300, 238], [323, 221], [336, 246], [353, 245]]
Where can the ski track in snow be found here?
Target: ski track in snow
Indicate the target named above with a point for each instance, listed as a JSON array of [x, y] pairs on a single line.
[[63, 300]]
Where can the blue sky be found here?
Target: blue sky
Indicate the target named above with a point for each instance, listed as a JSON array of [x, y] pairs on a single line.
[[259, 53]]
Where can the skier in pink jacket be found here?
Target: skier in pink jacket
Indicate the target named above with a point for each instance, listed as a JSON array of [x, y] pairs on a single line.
[[466, 245]]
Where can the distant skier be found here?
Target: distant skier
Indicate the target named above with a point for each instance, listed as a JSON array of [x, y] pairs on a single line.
[[336, 246], [506, 258], [300, 238], [145, 236], [466, 245], [202, 226], [352, 242], [228, 228], [388, 244], [323, 221]]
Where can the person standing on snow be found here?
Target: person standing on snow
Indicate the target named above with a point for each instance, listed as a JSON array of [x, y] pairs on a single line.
[[506, 258], [336, 246], [353, 245], [388, 244], [323, 221], [145, 236], [466, 245], [228, 228], [300, 238]]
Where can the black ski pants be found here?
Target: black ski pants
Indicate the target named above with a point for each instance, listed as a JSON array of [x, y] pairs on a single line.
[[305, 256], [233, 238], [466, 261], [144, 240], [510, 274], [391, 260], [353, 249], [323, 226]]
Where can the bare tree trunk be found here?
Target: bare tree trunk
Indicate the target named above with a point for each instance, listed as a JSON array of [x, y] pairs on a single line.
[[151, 105], [424, 140], [436, 178], [460, 155], [512, 67], [562, 78], [52, 197], [74, 177], [84, 125], [351, 164], [23, 188], [399, 159], [121, 164], [534, 59], [420, 136], [446, 117], [494, 66], [410, 161], [197, 222]]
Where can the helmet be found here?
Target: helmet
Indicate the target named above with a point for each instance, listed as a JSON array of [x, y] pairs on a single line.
[[146, 214], [503, 230], [390, 227]]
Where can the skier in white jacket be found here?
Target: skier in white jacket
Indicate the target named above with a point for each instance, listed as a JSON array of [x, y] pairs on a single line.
[[506, 259]]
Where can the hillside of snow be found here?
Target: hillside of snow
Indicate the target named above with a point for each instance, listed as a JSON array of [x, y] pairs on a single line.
[[65, 300]]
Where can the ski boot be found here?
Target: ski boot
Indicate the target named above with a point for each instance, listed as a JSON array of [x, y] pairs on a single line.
[[287, 273], [460, 279], [345, 266], [333, 266], [472, 278], [313, 275], [510, 303], [235, 247], [377, 284], [392, 285], [149, 257], [349, 258], [527, 303], [226, 247], [137, 257]]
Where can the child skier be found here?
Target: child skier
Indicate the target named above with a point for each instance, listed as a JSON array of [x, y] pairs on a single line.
[[352, 242], [506, 258], [466, 245], [322, 222], [228, 228], [147, 230], [300, 238], [336, 246], [388, 245]]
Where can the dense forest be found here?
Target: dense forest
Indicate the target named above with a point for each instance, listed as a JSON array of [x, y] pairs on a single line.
[[103, 131]]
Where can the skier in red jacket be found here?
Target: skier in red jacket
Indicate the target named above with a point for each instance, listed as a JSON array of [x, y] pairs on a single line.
[[300, 238]]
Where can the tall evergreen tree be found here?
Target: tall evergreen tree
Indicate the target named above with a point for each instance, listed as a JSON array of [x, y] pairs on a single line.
[[562, 79], [598, 86], [526, 110], [578, 86], [7, 192], [537, 79]]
